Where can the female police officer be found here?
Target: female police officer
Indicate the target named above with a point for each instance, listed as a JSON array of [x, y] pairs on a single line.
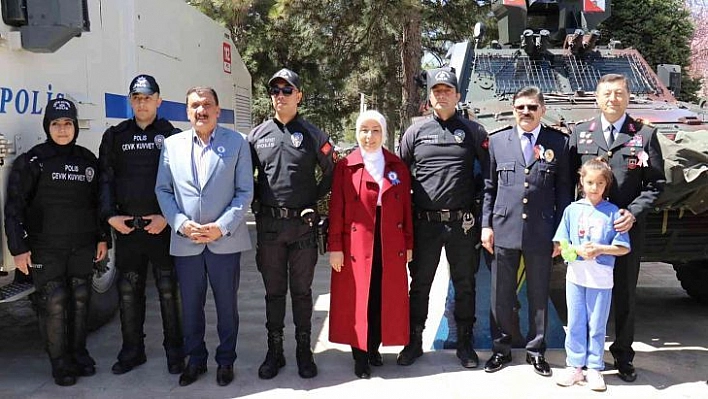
[[53, 230]]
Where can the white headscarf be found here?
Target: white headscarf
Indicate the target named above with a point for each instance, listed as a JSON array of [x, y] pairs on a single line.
[[373, 160]]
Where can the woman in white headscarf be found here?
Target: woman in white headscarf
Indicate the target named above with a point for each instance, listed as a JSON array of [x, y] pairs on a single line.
[[370, 242]]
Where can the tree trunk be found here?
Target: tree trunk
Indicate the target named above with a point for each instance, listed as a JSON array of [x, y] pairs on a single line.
[[411, 54]]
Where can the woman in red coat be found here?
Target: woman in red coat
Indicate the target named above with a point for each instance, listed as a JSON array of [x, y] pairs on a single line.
[[370, 242]]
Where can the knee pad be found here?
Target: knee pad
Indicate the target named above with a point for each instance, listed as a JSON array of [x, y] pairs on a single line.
[[53, 297], [128, 285], [166, 284], [80, 290]]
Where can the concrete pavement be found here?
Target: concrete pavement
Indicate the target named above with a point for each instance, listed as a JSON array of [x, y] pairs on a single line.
[[672, 355]]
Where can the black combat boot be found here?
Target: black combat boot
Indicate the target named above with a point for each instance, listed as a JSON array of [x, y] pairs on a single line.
[[131, 288], [274, 358], [306, 366], [51, 310], [468, 357], [171, 328], [78, 320], [63, 372], [414, 349]]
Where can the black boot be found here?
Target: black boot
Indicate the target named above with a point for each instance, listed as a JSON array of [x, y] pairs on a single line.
[[51, 310], [62, 372], [306, 366], [468, 357], [274, 358], [362, 369], [78, 320], [131, 287], [169, 308], [414, 349]]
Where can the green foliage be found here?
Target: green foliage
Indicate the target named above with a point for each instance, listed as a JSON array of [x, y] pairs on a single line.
[[340, 48], [660, 30]]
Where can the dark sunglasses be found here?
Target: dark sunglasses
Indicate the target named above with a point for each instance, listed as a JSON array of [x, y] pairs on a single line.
[[286, 90], [531, 107]]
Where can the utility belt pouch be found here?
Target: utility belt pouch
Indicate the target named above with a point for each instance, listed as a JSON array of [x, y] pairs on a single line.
[[322, 231]]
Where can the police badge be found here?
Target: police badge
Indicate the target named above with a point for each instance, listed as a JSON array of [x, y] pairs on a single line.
[[90, 173], [159, 139], [296, 138], [459, 136]]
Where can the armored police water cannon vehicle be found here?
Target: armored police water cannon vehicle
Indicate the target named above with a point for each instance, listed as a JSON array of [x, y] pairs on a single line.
[[88, 51], [555, 45]]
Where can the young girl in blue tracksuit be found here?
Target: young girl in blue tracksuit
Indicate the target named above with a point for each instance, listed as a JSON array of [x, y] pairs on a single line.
[[587, 226]]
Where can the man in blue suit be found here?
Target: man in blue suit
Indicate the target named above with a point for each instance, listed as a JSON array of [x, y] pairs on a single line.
[[525, 194], [204, 187]]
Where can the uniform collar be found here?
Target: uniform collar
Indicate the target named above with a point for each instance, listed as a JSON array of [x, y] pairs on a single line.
[[618, 123], [535, 132], [281, 125]]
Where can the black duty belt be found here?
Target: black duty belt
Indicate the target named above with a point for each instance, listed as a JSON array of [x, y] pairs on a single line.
[[443, 215], [281, 213]]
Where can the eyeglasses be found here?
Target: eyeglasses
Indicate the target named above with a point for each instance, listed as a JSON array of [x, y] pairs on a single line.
[[286, 90], [531, 107]]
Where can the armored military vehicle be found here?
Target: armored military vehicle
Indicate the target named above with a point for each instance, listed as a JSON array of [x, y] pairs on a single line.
[[555, 45]]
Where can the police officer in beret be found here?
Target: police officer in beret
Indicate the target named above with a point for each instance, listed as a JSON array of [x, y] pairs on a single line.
[[53, 232], [524, 197], [129, 156], [286, 151], [441, 152], [633, 153]]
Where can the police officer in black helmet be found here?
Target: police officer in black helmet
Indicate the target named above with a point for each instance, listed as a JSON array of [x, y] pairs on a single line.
[[441, 152], [286, 152], [129, 156], [54, 234]]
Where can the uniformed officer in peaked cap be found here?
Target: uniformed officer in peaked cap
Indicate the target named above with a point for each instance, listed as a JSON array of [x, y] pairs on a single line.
[[287, 150], [441, 152], [129, 156]]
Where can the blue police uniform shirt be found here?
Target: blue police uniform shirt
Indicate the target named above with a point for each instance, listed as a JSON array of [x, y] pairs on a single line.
[[583, 222]]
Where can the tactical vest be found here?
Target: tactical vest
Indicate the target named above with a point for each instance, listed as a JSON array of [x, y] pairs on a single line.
[[65, 194], [136, 157]]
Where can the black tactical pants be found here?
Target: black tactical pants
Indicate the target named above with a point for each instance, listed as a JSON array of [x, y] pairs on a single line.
[[62, 277], [133, 253], [429, 239], [286, 256]]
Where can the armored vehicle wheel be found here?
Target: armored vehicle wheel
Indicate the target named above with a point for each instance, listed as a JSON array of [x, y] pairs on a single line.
[[104, 296], [694, 279]]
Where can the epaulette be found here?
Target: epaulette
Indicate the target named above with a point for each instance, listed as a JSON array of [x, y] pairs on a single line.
[[556, 129], [499, 129]]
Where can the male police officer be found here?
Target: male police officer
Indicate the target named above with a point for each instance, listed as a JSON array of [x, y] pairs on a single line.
[[129, 157], [441, 153], [524, 197], [632, 150], [286, 151]]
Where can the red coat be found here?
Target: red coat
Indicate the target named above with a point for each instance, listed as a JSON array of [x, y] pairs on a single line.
[[352, 213]]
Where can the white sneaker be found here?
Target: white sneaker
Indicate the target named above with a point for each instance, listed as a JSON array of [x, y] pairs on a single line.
[[570, 376], [595, 380]]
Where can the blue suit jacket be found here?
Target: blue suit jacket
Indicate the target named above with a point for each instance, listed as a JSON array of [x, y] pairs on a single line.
[[523, 204], [224, 199]]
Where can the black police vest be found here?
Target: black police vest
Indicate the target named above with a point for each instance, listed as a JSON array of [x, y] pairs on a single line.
[[136, 156], [65, 199]]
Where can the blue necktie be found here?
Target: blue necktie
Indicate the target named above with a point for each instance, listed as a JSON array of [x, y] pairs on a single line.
[[527, 146]]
